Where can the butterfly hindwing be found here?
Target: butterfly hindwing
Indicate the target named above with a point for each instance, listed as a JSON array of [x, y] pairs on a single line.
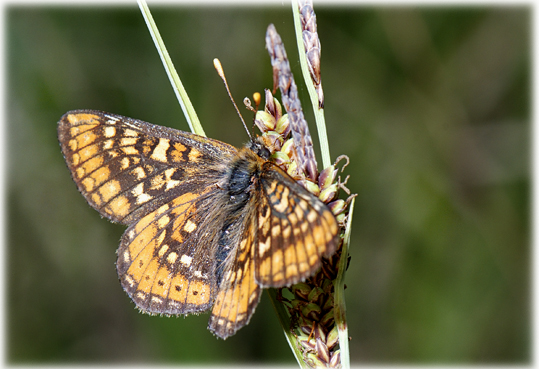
[[238, 293], [160, 262]]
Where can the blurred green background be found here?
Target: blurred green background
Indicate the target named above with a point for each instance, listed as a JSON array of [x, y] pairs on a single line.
[[432, 105]]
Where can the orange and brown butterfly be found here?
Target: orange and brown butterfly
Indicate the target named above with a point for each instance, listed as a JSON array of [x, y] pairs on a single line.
[[208, 225]]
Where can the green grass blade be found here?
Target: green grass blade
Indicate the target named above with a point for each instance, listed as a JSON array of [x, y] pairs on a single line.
[[177, 86], [340, 306]]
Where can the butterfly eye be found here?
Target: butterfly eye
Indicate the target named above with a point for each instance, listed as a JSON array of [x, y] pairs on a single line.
[[263, 153]]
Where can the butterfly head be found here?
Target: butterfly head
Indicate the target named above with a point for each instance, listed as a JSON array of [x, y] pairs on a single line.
[[257, 146]]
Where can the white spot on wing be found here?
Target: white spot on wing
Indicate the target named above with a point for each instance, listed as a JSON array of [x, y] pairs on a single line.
[[110, 132], [186, 260], [160, 151], [189, 226], [263, 247]]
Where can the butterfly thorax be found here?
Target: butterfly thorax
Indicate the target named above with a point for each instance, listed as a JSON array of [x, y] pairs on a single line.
[[241, 176], [244, 171]]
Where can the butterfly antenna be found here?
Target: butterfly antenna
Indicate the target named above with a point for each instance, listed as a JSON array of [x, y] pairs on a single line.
[[219, 68]]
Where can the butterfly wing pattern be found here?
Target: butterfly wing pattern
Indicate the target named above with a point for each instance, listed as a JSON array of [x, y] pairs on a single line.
[[208, 225], [295, 229]]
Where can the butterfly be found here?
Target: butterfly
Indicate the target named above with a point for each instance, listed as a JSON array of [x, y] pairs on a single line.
[[208, 225]]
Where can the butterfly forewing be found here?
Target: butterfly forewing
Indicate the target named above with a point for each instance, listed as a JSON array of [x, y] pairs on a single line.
[[294, 230], [126, 168]]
